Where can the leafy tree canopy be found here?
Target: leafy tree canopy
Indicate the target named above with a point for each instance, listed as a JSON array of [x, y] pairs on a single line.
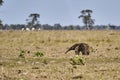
[[1, 2]]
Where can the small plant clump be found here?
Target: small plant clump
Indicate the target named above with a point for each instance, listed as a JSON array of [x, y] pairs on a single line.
[[77, 60], [39, 54], [22, 54]]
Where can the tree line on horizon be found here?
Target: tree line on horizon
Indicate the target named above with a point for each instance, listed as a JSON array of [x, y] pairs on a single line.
[[58, 27]]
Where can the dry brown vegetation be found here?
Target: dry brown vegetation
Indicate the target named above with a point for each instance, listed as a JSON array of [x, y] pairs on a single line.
[[103, 63]]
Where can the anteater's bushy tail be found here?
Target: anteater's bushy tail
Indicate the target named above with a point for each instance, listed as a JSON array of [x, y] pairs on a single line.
[[72, 48]]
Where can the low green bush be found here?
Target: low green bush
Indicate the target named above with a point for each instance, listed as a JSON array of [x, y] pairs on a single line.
[[77, 60]]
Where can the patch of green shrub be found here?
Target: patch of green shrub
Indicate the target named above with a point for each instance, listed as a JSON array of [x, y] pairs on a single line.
[[77, 60], [39, 54]]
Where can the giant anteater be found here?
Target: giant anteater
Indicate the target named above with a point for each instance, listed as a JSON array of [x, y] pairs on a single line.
[[80, 47]]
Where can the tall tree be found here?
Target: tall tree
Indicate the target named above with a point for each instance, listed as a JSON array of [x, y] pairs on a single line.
[[89, 12], [1, 2], [86, 17], [34, 19], [1, 24]]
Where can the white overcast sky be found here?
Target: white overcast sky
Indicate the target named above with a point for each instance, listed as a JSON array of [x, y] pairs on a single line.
[[65, 12]]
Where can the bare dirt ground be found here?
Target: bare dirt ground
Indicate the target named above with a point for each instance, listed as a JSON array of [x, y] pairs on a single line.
[[103, 63]]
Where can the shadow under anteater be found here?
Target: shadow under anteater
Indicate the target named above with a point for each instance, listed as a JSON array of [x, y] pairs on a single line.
[[79, 47]]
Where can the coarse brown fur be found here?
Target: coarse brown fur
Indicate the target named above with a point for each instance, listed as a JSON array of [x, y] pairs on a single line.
[[80, 47]]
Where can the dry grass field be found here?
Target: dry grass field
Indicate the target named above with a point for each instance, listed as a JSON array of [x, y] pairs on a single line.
[[103, 63]]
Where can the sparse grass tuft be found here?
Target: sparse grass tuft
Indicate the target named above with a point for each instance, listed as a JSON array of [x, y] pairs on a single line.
[[117, 48], [39, 54]]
